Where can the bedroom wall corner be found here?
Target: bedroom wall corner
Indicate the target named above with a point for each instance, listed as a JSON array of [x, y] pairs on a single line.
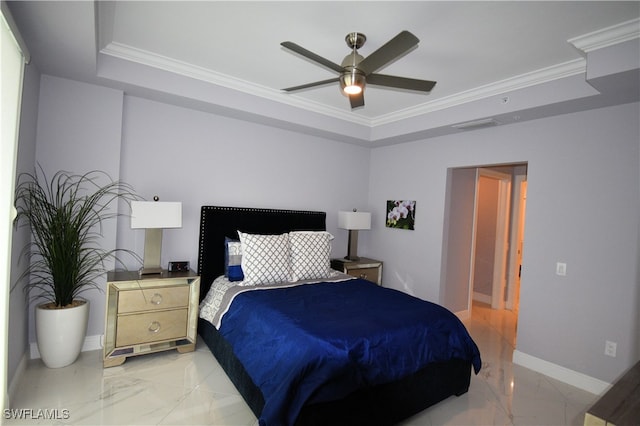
[[79, 130], [18, 305]]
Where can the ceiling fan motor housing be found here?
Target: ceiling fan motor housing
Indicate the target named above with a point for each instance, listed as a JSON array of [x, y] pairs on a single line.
[[352, 79], [352, 76]]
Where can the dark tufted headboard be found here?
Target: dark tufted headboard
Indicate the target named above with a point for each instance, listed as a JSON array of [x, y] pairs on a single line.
[[217, 222]]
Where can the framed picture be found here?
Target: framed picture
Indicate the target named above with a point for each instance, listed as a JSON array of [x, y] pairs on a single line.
[[401, 214]]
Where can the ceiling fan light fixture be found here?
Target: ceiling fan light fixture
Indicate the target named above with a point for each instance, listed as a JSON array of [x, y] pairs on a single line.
[[352, 82], [352, 90]]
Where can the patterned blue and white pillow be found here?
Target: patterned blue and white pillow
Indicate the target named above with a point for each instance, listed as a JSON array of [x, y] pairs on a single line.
[[265, 258], [233, 260], [310, 252]]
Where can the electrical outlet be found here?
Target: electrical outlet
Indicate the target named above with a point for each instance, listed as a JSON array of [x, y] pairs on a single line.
[[610, 348], [561, 269]]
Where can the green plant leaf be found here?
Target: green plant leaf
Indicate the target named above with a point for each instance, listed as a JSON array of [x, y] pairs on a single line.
[[66, 215]]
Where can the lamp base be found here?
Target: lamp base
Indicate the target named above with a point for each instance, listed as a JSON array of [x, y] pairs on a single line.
[[352, 248], [152, 247], [150, 271]]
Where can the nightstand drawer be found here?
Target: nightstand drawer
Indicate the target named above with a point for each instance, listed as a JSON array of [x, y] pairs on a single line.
[[363, 267], [370, 274], [153, 299], [151, 327]]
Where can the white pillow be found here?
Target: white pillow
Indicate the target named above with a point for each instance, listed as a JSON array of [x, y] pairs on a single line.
[[310, 253], [265, 258]]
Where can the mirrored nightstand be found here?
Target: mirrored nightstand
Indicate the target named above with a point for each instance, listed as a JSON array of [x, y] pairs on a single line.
[[149, 314], [365, 268]]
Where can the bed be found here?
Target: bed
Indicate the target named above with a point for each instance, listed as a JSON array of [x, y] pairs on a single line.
[[322, 391]]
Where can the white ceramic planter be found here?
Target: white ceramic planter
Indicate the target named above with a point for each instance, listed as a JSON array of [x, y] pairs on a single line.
[[60, 334]]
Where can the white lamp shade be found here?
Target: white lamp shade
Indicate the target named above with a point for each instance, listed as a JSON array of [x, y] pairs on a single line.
[[354, 220], [156, 214]]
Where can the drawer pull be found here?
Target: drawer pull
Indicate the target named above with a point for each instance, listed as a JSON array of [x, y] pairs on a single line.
[[156, 299], [154, 327], [363, 276]]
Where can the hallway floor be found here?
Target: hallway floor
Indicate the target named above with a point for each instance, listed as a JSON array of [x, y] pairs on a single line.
[[191, 389]]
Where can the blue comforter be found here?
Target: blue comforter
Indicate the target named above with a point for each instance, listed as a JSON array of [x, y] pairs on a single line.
[[320, 342]]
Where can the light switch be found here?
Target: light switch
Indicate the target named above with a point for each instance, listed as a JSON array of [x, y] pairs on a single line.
[[561, 269]]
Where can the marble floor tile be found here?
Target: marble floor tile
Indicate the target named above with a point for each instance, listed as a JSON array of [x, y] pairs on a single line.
[[170, 388]]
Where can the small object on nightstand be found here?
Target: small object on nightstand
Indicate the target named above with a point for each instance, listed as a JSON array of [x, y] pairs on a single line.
[[179, 266], [149, 314], [365, 268]]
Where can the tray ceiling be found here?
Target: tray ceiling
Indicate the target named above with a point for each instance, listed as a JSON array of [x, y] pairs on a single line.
[[474, 50]]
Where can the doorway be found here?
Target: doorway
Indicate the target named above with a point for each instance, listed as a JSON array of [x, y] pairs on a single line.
[[490, 240], [460, 237]]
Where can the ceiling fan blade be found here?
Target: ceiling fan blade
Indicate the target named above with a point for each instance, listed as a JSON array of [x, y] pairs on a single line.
[[310, 55], [357, 100], [400, 82], [395, 47], [316, 83]]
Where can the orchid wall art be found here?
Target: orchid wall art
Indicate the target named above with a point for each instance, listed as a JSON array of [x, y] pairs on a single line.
[[401, 214]]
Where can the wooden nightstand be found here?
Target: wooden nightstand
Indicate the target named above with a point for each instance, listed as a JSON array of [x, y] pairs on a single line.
[[149, 314], [368, 269]]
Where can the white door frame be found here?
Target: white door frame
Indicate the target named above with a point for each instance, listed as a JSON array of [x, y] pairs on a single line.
[[502, 235], [517, 229]]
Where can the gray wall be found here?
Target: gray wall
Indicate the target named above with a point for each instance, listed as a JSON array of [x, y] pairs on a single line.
[[204, 159], [18, 306], [486, 224], [79, 130], [583, 208], [457, 239]]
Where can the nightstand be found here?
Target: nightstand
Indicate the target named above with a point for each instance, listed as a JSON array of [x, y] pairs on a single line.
[[149, 314], [365, 268]]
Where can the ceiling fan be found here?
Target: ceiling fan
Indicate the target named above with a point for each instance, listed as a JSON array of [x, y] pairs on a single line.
[[356, 71]]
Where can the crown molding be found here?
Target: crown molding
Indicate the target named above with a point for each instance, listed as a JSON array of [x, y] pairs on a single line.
[[185, 69], [544, 75], [606, 37]]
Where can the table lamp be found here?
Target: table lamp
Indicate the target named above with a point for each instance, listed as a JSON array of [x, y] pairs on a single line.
[[353, 221], [153, 217]]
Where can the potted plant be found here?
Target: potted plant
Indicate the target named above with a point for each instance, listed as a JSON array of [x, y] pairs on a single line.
[[65, 214]]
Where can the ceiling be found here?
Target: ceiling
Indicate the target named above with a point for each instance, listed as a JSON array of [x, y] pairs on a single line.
[[226, 57]]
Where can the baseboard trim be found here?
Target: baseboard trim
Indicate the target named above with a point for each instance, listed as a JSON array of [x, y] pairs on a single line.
[[574, 378], [91, 343], [15, 381]]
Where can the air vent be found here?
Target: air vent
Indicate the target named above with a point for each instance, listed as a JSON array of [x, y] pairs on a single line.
[[477, 124]]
